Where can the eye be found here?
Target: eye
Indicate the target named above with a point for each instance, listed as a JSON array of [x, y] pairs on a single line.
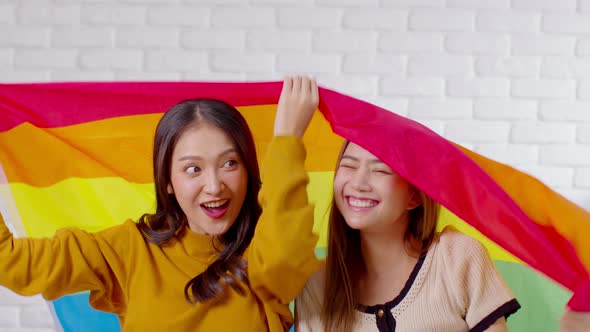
[[192, 169], [230, 163], [347, 166], [383, 171]]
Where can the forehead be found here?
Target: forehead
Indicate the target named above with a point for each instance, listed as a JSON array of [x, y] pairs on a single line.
[[355, 151], [203, 138]]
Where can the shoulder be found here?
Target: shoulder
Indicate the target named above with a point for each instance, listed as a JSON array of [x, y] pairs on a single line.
[[454, 246]]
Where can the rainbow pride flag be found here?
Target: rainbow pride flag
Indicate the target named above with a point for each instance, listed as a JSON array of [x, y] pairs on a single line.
[[79, 154]]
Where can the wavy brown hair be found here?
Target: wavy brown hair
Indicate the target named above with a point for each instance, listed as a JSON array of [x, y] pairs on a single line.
[[169, 221], [345, 264]]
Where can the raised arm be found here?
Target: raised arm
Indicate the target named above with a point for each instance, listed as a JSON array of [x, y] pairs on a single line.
[[281, 257]]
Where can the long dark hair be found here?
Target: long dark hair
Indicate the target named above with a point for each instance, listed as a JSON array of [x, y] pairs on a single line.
[[169, 221], [345, 263]]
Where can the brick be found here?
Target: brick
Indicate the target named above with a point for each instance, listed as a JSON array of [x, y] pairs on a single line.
[[279, 2], [354, 85], [6, 56], [351, 41], [36, 316], [147, 37], [440, 109], [112, 59], [250, 62], [551, 176], [566, 23], [412, 3], [441, 20], [583, 134], [308, 63], [583, 47], [267, 40], [176, 60], [543, 88], [343, 3], [41, 58], [81, 75], [477, 131], [213, 77], [508, 21], [309, 19], [565, 155], [504, 109], [479, 4], [179, 16], [565, 67], [543, 45], [562, 110], [584, 5], [8, 297], [9, 316], [582, 177], [147, 76], [243, 17], [216, 2], [7, 14], [374, 64], [482, 87], [378, 18], [439, 65], [82, 37], [499, 66], [545, 5], [40, 14], [411, 42], [395, 86], [584, 89], [395, 105], [478, 43], [113, 14], [213, 39], [24, 36], [542, 133], [24, 76], [510, 154], [579, 197], [152, 1]]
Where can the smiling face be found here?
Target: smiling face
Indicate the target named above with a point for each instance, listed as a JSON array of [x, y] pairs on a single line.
[[370, 196], [208, 179]]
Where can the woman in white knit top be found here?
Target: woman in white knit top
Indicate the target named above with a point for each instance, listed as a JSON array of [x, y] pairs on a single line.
[[388, 270]]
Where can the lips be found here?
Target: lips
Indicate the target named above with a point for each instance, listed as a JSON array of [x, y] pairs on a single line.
[[360, 204], [215, 209]]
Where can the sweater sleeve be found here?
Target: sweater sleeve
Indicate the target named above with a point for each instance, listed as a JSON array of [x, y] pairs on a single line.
[[69, 262], [281, 257], [481, 292]]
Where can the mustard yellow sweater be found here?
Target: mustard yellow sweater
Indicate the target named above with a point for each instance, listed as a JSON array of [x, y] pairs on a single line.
[[144, 283]]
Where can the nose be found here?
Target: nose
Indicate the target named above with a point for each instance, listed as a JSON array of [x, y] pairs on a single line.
[[360, 180], [213, 184]]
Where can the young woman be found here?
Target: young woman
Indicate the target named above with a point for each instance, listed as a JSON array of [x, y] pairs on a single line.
[[207, 260], [388, 270]]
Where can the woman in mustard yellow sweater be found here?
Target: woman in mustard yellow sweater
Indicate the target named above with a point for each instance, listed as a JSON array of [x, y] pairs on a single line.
[[207, 260]]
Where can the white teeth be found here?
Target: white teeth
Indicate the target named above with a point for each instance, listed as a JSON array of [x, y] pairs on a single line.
[[362, 203], [215, 204]]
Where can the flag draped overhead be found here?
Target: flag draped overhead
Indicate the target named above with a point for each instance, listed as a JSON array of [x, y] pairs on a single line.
[[79, 154]]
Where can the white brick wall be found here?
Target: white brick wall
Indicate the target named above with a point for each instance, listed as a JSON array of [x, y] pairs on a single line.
[[508, 78]]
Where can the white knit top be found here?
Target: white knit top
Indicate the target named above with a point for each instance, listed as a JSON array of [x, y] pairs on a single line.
[[454, 287]]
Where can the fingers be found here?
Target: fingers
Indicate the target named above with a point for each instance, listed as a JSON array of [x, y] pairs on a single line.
[[314, 91]]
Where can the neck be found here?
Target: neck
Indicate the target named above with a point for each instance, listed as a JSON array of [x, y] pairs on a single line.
[[384, 248]]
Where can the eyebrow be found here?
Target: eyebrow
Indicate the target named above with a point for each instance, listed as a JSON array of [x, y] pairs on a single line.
[[192, 157], [373, 161]]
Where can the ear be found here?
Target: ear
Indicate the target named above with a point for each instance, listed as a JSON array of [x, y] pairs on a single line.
[[415, 200], [170, 189]]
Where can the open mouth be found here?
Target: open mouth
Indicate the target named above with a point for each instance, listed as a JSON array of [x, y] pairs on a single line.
[[361, 203], [216, 209]]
